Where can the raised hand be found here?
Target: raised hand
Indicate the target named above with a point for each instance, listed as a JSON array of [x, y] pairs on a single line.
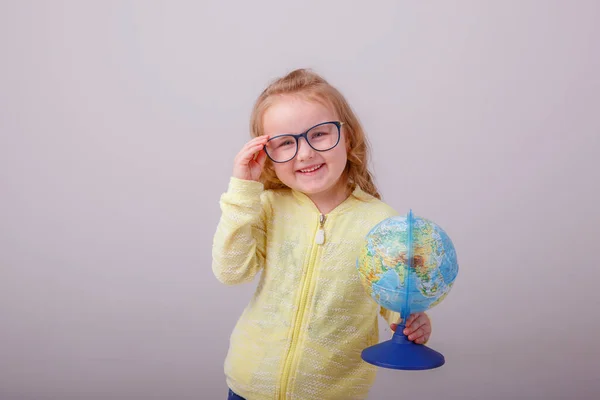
[[249, 162]]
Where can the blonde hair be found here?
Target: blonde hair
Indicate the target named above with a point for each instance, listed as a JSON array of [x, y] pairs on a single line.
[[313, 87]]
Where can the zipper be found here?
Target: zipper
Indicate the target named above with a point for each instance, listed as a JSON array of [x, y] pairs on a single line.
[[306, 286], [320, 238]]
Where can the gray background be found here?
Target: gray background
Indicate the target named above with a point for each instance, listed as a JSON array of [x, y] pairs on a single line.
[[119, 122]]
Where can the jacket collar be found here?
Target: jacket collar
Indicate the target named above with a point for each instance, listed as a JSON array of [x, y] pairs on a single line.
[[357, 196]]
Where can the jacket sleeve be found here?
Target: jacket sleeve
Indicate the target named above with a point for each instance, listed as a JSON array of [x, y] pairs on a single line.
[[391, 317], [239, 243]]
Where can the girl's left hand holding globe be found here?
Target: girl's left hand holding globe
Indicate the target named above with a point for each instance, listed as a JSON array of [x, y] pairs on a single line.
[[418, 328]]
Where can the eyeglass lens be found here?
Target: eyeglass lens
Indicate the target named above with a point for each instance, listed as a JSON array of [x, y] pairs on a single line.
[[321, 138]]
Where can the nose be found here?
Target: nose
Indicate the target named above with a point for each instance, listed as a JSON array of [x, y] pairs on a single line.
[[305, 152]]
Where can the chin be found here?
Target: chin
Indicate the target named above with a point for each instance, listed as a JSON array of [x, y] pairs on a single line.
[[312, 191], [315, 188], [311, 185]]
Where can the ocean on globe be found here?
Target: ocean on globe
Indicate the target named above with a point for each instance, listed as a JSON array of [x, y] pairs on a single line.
[[407, 264]]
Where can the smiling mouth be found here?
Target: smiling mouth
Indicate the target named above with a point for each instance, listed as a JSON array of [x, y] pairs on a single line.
[[311, 169]]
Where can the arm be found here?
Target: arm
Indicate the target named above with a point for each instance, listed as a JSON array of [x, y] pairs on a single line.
[[239, 243]]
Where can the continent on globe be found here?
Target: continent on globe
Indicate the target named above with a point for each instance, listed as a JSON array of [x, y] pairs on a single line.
[[400, 283]]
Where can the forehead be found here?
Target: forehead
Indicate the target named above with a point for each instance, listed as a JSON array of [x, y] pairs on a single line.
[[294, 114]]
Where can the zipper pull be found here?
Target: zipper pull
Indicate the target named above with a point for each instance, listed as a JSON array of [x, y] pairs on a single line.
[[320, 239]]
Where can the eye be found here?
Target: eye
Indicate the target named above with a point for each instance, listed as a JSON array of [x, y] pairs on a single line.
[[287, 142], [317, 135]]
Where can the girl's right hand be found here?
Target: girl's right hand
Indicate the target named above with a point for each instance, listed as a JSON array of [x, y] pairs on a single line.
[[248, 165]]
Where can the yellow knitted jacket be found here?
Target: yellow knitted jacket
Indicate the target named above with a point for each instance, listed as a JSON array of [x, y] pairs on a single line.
[[302, 333]]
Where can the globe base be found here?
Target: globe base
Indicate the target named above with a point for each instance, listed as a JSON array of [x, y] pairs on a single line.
[[401, 353]]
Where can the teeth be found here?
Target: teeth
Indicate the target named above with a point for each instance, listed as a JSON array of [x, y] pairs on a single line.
[[312, 169]]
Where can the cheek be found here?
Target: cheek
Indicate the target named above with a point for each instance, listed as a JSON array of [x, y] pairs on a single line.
[[341, 157], [282, 170]]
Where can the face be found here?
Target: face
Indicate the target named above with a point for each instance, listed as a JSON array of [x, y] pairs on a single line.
[[314, 173]]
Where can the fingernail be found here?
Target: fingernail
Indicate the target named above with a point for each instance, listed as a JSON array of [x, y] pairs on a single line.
[[405, 332]]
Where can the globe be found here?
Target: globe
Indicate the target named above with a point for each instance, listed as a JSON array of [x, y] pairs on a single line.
[[407, 264]]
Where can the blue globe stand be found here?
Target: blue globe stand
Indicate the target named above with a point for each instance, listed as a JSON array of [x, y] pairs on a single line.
[[401, 353]]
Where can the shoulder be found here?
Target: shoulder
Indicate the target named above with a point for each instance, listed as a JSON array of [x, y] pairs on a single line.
[[371, 206], [275, 201], [252, 195], [275, 196]]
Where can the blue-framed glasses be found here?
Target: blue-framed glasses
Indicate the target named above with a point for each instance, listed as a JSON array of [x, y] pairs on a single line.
[[322, 137]]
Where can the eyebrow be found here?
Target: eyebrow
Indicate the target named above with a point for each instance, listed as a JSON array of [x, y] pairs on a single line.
[[310, 127]]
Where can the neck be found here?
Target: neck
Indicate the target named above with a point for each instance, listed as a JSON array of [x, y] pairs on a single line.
[[329, 200]]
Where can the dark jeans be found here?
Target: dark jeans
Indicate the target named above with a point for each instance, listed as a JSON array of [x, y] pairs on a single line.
[[233, 396]]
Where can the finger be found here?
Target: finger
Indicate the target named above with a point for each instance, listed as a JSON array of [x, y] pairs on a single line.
[[261, 139], [261, 158], [248, 152], [417, 335], [394, 325], [422, 340], [255, 143], [415, 321], [418, 322], [411, 319], [258, 141]]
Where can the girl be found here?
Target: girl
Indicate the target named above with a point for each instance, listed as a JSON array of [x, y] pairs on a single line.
[[298, 206]]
